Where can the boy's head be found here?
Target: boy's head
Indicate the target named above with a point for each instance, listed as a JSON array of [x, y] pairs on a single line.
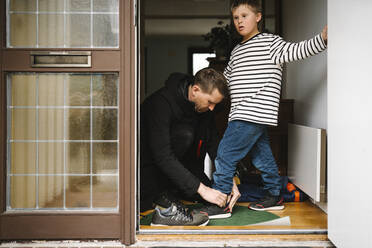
[[246, 15], [254, 5], [209, 88]]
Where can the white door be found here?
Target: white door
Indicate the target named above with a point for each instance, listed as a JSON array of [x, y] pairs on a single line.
[[350, 123]]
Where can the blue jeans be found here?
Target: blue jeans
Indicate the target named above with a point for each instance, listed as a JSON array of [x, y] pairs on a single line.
[[241, 138]]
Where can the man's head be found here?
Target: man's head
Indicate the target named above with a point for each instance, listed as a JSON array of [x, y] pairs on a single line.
[[209, 89], [246, 15]]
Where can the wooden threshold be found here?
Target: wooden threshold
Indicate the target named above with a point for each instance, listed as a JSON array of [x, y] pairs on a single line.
[[222, 237]]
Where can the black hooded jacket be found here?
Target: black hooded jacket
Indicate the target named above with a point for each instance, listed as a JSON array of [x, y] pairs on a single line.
[[159, 112]]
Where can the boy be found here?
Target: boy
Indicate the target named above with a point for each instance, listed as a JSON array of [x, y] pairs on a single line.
[[254, 75]]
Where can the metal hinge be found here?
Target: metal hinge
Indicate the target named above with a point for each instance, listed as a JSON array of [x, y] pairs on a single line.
[[322, 189]]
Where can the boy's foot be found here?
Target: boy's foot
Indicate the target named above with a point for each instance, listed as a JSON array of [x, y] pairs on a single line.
[[178, 216], [215, 212], [269, 202], [165, 200]]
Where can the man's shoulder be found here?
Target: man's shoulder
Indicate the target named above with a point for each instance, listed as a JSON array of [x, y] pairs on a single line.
[[162, 101], [159, 97]]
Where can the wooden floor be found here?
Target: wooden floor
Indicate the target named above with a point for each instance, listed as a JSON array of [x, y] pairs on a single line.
[[303, 215]]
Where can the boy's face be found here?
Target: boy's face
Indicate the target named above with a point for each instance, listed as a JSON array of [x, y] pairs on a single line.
[[245, 21]]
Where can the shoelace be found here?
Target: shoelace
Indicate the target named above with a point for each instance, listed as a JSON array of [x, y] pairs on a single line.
[[184, 212]]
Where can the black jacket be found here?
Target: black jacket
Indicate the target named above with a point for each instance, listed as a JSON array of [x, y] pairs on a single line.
[[159, 112]]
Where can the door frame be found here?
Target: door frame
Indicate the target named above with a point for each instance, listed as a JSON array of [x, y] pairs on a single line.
[[128, 120], [80, 225], [175, 231]]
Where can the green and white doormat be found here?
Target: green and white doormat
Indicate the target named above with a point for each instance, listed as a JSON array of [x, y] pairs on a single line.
[[241, 216]]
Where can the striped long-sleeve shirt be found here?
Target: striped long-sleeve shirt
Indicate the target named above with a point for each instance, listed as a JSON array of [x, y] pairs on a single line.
[[254, 75]]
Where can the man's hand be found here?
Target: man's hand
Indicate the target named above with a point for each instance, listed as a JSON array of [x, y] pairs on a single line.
[[325, 34], [212, 195], [234, 196]]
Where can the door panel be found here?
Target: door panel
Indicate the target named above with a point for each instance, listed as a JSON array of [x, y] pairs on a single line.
[[349, 125], [62, 226], [67, 133]]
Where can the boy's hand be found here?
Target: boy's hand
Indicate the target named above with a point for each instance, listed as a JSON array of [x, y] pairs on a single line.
[[234, 196], [325, 34], [212, 195]]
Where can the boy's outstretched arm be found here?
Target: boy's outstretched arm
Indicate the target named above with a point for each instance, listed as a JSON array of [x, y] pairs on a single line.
[[282, 51]]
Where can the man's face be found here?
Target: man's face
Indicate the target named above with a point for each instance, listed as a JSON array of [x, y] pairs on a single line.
[[204, 101]]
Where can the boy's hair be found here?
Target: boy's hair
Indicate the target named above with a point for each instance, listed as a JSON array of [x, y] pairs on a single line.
[[209, 79], [255, 5]]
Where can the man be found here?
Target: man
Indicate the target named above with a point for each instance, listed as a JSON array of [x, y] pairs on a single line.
[[177, 129]]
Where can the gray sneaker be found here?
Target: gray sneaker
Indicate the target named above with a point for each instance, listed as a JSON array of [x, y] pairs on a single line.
[[176, 215]]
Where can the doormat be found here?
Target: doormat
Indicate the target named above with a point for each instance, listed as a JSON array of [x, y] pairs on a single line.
[[241, 216]]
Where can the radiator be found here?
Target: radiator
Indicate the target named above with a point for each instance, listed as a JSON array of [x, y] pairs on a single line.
[[307, 160]]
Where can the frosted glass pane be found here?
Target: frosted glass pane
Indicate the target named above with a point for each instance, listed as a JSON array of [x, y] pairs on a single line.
[[77, 191], [50, 158], [51, 5], [105, 124], [78, 124], [23, 124], [69, 115], [51, 124], [78, 158], [51, 89], [51, 30], [105, 158], [23, 90], [106, 6], [105, 191], [78, 5], [23, 158], [78, 30], [63, 23], [22, 5], [50, 191], [22, 192], [23, 30], [78, 90], [105, 90], [105, 30]]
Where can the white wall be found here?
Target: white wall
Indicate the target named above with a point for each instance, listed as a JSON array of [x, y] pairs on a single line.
[[350, 123], [306, 80]]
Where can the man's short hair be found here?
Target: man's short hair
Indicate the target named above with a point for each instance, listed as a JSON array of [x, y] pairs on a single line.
[[255, 5], [209, 79]]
